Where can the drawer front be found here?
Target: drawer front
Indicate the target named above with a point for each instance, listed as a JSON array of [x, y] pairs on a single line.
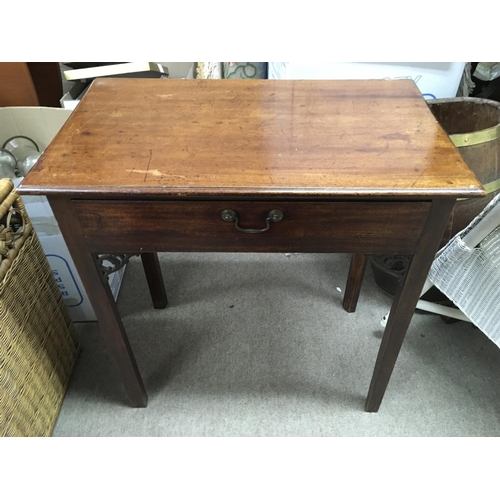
[[350, 226]]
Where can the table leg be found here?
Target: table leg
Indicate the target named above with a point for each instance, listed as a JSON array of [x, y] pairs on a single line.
[[101, 299], [154, 278], [354, 281], [405, 300]]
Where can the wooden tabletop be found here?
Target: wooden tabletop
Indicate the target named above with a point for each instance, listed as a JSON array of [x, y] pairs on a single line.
[[252, 137]]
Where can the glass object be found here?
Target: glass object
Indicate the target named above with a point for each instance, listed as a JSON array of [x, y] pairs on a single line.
[[8, 165], [25, 151]]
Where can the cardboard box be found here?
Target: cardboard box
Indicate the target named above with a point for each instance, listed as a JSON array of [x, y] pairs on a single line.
[[435, 80], [42, 124]]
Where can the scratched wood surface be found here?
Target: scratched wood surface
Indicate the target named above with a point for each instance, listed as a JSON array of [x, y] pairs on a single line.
[[240, 137]]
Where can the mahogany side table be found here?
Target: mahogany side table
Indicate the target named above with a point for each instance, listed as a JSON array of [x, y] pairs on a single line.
[[145, 166]]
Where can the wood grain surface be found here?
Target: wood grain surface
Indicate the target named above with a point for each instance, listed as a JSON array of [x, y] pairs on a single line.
[[357, 226], [248, 137]]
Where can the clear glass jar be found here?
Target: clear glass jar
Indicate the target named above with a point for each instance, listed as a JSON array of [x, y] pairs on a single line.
[[25, 151], [8, 165]]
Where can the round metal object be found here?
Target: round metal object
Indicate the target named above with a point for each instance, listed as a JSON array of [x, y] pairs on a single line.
[[276, 215]]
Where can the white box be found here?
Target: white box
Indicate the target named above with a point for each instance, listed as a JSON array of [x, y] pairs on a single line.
[[42, 124], [435, 80]]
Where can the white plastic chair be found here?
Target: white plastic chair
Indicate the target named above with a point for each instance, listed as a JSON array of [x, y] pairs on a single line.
[[467, 271]]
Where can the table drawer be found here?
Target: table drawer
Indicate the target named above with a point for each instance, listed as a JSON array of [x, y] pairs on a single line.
[[350, 226]]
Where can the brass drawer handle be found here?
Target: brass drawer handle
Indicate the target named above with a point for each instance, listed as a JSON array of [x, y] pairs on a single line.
[[272, 216]]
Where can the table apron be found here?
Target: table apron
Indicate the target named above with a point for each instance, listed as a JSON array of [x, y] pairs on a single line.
[[368, 227]]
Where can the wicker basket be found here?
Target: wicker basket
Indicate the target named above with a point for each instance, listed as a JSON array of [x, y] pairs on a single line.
[[38, 343]]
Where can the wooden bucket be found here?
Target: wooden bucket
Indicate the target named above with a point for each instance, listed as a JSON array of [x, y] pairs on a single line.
[[473, 125]]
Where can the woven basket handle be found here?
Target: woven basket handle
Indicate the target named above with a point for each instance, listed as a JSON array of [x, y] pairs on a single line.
[[7, 235]]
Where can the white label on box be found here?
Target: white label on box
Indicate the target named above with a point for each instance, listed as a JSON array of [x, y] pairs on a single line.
[[65, 280], [60, 261]]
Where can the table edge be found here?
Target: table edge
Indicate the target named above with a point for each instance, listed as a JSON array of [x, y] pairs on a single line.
[[186, 192]]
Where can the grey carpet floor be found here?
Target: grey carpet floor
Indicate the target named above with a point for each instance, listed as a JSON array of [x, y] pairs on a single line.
[[259, 345]]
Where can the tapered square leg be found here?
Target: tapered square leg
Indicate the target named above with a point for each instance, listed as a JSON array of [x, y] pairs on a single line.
[[405, 301], [354, 281], [101, 299], [154, 277]]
